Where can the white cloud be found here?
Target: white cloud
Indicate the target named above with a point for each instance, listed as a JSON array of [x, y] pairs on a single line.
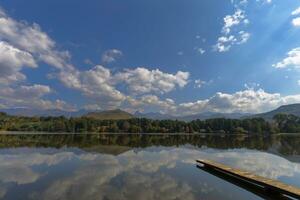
[[245, 101], [200, 83], [224, 43], [244, 37], [111, 55], [100, 85], [200, 50], [25, 45], [153, 103], [32, 39], [142, 80], [11, 62], [292, 60], [92, 107], [231, 33], [264, 1], [296, 11], [296, 21], [233, 20], [96, 84], [30, 97]]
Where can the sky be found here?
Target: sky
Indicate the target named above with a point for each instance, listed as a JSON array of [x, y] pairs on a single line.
[[174, 56]]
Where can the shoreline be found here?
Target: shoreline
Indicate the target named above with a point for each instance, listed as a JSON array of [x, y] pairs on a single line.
[[124, 133]]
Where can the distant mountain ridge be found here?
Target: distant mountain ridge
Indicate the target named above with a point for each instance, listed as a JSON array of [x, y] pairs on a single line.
[[109, 114], [43, 113], [293, 109], [201, 116], [153, 115], [120, 114], [117, 114], [211, 115]]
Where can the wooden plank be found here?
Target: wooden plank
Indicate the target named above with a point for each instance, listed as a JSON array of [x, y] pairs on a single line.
[[268, 184]]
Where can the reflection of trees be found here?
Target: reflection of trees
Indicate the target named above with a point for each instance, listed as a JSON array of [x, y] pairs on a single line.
[[287, 145]]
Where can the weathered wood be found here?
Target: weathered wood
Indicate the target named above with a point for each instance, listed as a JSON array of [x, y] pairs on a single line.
[[268, 184]]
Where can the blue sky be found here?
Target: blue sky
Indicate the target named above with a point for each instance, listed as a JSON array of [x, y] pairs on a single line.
[[169, 56]]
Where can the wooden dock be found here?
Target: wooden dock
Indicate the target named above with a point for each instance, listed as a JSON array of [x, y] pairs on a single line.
[[261, 186]]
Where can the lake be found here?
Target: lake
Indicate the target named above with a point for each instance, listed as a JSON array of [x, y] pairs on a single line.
[[83, 166]]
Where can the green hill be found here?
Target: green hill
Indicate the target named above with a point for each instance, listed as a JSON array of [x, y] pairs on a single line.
[[109, 114], [293, 109]]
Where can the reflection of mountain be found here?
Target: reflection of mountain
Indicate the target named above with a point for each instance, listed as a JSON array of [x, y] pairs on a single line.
[[284, 145], [108, 149]]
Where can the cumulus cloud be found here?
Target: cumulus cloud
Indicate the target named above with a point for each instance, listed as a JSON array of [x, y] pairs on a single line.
[[250, 100], [142, 80], [296, 21], [11, 62], [245, 101], [30, 96], [25, 45], [152, 102], [95, 83], [32, 39], [100, 85], [111, 55], [292, 60], [296, 11]]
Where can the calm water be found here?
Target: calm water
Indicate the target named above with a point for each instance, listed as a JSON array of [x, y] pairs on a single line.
[[138, 167]]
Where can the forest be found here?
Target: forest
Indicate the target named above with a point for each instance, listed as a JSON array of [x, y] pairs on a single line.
[[281, 123]]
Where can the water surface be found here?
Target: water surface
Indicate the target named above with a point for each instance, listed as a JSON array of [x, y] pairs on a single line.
[[138, 166]]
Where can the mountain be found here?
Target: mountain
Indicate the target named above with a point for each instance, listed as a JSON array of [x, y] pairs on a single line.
[[109, 114], [201, 116], [153, 115], [118, 114], [211, 115], [36, 112], [293, 109]]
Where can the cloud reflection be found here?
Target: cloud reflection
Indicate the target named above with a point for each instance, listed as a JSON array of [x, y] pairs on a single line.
[[142, 174]]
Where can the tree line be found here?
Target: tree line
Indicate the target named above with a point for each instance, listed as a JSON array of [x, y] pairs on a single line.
[[280, 123], [285, 145]]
